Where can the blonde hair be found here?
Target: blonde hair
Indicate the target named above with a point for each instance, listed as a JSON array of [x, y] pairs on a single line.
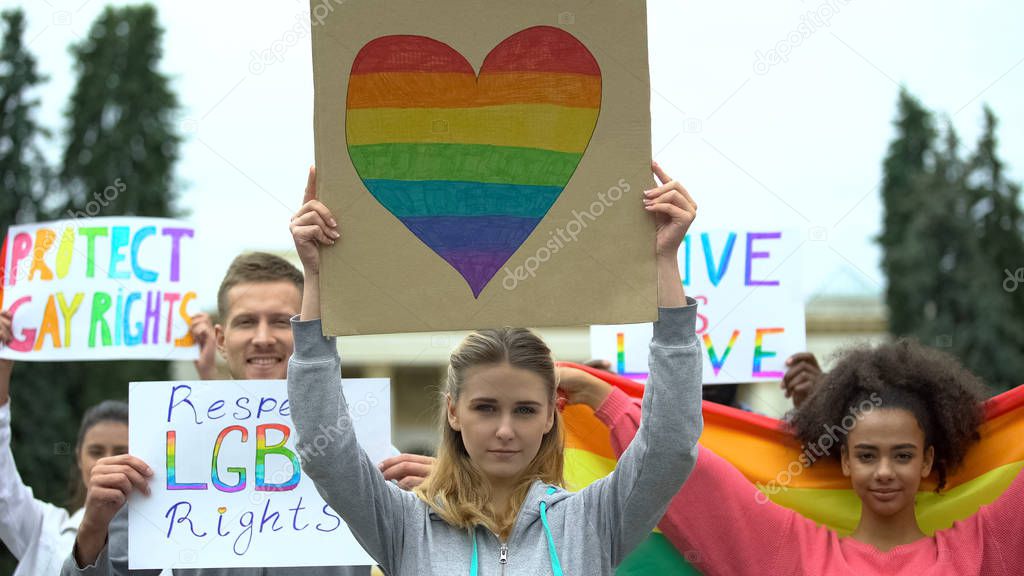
[[456, 489]]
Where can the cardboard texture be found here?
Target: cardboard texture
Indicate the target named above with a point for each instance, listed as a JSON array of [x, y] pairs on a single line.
[[485, 161]]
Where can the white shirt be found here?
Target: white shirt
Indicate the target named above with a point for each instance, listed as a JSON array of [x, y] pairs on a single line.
[[39, 534]]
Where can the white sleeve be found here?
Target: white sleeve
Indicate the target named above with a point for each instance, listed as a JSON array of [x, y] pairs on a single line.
[[22, 516]]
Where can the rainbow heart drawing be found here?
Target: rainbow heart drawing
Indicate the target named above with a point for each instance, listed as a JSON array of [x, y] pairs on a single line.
[[471, 164]]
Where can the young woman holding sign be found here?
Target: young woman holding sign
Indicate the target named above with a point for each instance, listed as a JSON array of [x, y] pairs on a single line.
[[904, 412], [38, 533], [494, 500]]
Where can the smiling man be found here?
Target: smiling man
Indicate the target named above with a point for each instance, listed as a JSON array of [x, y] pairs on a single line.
[[259, 295], [256, 300]]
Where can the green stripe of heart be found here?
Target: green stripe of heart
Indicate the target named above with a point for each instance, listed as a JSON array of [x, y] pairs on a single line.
[[464, 162]]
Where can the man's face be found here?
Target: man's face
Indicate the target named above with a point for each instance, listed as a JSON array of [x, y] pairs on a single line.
[[256, 337]]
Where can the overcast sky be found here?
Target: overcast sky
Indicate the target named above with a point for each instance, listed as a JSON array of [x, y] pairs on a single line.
[[790, 138]]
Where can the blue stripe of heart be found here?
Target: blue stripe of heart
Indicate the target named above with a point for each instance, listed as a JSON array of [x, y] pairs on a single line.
[[414, 198]]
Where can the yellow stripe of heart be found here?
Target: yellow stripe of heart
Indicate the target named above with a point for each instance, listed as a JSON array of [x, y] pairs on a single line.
[[541, 126]]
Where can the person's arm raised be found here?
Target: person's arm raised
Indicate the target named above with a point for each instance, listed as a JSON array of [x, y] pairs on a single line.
[[626, 505], [22, 516], [718, 520], [803, 377], [371, 506], [674, 211], [312, 226], [6, 366], [1004, 522]]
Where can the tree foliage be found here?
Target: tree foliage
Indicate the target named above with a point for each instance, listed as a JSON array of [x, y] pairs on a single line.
[[120, 149], [952, 229]]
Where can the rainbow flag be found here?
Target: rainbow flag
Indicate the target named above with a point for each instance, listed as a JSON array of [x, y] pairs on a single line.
[[471, 165], [770, 458]]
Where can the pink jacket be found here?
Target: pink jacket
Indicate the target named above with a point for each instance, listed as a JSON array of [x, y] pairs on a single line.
[[717, 522]]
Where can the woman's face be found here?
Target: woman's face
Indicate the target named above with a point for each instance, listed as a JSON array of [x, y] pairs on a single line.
[[104, 439], [503, 414], [885, 458]]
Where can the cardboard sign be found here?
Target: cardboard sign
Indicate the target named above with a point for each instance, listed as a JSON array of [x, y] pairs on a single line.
[[228, 490], [750, 316], [486, 162], [100, 289]]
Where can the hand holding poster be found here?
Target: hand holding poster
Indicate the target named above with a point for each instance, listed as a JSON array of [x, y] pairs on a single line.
[[100, 289], [750, 316], [227, 489]]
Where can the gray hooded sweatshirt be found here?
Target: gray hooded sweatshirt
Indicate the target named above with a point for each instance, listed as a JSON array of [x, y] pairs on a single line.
[[113, 561], [556, 532]]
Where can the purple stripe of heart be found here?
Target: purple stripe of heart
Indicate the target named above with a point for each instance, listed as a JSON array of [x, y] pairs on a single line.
[[493, 239]]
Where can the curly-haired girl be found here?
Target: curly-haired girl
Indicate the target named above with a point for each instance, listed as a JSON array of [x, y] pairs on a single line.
[[905, 410]]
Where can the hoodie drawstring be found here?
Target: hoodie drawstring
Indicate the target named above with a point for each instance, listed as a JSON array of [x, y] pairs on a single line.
[[473, 564], [556, 566]]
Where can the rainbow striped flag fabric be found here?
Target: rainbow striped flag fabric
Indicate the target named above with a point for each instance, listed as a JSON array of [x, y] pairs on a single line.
[[774, 461], [469, 164]]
